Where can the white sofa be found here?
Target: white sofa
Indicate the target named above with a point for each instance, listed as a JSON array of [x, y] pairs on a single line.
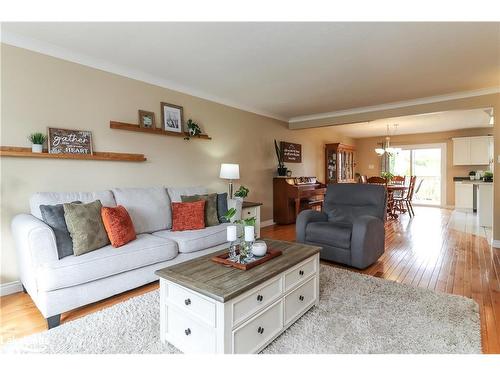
[[57, 286]]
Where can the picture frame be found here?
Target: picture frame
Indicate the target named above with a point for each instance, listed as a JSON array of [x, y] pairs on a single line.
[[147, 119], [172, 117], [69, 141]]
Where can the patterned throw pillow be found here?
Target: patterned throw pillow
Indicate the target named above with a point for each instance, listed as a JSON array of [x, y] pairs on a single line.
[[53, 216], [85, 226], [222, 207], [211, 218], [188, 215], [118, 225]]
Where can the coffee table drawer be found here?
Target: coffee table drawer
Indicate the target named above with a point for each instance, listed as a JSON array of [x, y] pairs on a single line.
[[187, 334], [257, 332], [300, 272], [189, 301], [250, 304], [300, 299]]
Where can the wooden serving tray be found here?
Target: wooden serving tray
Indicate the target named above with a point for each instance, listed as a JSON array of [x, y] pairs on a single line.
[[223, 259]]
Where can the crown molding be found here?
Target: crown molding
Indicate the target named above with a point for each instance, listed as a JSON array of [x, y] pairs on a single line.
[[400, 104], [53, 50]]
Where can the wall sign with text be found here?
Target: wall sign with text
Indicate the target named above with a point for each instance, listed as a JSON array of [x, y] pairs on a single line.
[[67, 141], [292, 152]]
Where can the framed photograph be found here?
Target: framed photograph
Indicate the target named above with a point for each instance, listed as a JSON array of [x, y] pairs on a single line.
[[172, 117], [147, 119], [69, 141]]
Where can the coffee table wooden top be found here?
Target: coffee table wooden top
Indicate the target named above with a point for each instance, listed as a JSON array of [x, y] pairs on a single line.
[[223, 283]]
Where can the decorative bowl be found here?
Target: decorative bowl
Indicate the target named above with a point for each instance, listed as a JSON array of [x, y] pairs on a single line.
[[259, 249]]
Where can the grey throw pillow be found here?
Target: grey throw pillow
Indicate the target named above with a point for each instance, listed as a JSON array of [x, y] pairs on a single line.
[[53, 216], [85, 226], [222, 207], [211, 218]]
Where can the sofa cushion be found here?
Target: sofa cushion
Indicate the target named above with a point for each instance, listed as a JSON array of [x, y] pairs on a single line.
[[188, 215], [193, 240], [104, 262], [332, 234], [176, 193], [37, 199], [222, 207], [85, 226], [118, 225], [53, 216], [149, 208], [211, 218]]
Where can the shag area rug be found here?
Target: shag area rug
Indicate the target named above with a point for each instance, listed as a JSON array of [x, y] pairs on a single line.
[[356, 314]]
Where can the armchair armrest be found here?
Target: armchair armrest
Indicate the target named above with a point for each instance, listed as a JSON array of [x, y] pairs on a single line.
[[35, 245], [304, 218], [367, 241]]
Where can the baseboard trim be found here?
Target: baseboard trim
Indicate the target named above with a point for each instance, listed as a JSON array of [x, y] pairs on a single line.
[[495, 243], [267, 223], [10, 288]]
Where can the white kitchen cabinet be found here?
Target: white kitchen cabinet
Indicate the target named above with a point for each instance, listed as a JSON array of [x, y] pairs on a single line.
[[464, 196], [472, 150]]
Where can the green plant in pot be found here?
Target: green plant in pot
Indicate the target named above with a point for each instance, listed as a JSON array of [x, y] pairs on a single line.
[[472, 175], [37, 140], [279, 155], [387, 175], [242, 192], [194, 129], [488, 176]]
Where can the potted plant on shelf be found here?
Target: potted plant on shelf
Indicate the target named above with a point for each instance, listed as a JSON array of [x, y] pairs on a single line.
[[488, 176], [279, 155], [37, 140], [193, 129]]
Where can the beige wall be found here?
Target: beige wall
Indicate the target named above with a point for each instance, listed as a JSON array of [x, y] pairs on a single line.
[[40, 91], [366, 154]]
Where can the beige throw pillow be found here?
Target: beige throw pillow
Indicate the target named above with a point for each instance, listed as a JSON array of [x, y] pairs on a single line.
[[85, 226]]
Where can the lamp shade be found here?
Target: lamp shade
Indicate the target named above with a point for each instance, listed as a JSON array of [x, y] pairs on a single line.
[[230, 171]]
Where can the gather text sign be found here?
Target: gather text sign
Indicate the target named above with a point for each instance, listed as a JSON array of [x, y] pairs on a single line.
[[68, 141]]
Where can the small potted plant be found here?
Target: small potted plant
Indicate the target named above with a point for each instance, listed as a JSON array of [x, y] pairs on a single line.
[[387, 175], [37, 140], [488, 176], [242, 192], [472, 175], [279, 155], [193, 129]]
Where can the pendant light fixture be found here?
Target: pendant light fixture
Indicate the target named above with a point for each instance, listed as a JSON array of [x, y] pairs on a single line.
[[386, 145]]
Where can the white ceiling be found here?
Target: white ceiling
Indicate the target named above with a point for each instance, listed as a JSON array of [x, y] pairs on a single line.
[[424, 123], [283, 70]]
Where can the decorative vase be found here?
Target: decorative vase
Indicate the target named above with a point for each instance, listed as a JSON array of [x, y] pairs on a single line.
[[282, 171], [36, 148]]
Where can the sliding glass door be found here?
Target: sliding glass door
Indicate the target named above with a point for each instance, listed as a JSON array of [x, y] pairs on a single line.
[[427, 162]]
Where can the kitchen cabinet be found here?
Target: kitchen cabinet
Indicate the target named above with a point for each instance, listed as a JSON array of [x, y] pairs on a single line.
[[472, 150], [464, 196], [485, 204]]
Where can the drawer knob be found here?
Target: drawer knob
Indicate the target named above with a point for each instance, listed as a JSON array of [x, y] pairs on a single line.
[[260, 330], [187, 331], [260, 298], [187, 302], [301, 298], [301, 273]]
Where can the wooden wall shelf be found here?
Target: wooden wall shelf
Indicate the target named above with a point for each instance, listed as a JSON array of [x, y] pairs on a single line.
[[25, 152], [158, 131]]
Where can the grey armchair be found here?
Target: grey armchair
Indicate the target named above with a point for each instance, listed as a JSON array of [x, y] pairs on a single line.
[[350, 229]]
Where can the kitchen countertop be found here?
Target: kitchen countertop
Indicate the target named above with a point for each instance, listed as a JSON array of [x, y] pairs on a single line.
[[474, 182]]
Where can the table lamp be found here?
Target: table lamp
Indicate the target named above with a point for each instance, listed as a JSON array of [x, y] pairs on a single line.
[[230, 172]]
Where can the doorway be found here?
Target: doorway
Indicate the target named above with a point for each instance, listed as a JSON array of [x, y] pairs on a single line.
[[428, 163]]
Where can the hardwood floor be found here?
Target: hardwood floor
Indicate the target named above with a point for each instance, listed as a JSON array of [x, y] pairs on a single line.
[[438, 249]]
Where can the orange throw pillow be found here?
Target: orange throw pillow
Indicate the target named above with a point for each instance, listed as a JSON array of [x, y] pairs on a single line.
[[118, 225], [188, 215]]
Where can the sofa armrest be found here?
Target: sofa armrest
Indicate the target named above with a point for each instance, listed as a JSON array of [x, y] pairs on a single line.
[[35, 241], [367, 241], [304, 218]]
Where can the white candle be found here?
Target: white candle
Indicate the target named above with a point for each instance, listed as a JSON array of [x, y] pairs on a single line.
[[249, 233], [231, 233]]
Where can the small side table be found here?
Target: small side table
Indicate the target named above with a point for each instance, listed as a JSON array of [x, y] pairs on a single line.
[[252, 209]]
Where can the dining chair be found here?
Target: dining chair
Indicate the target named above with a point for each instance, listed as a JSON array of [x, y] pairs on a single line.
[[404, 203], [398, 180], [377, 180]]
